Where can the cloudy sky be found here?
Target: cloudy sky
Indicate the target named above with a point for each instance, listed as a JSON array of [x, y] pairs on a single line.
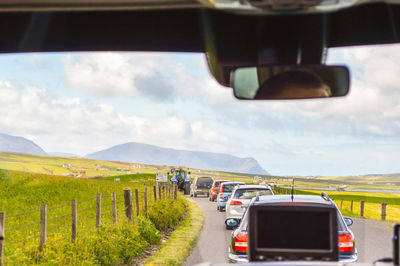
[[84, 102]]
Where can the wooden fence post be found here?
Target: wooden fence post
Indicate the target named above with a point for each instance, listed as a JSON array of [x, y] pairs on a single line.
[[274, 189], [362, 208], [74, 220], [167, 191], [43, 225], [146, 203], [163, 192], [128, 203], [159, 192], [98, 210], [2, 230], [383, 213], [137, 201], [114, 207], [351, 206], [176, 191], [341, 204], [155, 193]]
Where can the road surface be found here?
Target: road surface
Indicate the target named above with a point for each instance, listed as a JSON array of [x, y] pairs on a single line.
[[373, 238]]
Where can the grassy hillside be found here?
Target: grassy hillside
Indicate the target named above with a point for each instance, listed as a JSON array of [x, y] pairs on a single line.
[[53, 165], [22, 192]]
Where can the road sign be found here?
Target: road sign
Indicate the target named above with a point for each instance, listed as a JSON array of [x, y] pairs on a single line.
[[162, 177]]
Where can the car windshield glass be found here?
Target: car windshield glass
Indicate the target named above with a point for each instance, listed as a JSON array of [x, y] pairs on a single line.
[[106, 130], [204, 181], [248, 193], [229, 187]]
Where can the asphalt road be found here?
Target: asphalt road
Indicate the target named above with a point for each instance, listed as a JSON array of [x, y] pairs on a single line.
[[373, 238]]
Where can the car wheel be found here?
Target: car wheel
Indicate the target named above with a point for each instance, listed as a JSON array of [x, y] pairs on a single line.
[[191, 194], [217, 207], [195, 195], [221, 209], [186, 188]]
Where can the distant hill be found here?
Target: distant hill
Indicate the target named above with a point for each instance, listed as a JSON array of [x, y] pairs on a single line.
[[63, 154], [149, 154], [10, 143]]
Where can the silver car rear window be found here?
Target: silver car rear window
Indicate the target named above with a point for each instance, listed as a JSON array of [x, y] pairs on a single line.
[[249, 193]]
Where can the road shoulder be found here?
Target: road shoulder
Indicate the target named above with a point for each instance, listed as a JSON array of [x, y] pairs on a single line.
[[182, 240]]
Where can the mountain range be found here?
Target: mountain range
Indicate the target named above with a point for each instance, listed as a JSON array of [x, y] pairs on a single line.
[[147, 154], [150, 154]]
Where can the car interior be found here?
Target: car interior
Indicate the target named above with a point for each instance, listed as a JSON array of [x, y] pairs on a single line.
[[261, 50]]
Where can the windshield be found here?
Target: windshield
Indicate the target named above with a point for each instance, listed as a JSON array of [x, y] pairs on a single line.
[[228, 187], [249, 193], [205, 180], [75, 125]]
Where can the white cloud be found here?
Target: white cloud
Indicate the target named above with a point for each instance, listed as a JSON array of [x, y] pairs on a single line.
[[111, 74], [74, 125]]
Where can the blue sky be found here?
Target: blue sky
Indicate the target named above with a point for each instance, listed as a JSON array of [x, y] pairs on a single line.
[[84, 102]]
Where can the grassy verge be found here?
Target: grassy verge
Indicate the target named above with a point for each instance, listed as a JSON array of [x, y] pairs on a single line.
[[110, 244], [22, 192], [182, 239]]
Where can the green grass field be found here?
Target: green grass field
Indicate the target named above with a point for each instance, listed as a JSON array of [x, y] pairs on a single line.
[[372, 203], [22, 192], [377, 182], [53, 165]]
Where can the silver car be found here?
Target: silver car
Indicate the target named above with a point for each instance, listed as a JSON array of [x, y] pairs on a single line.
[[241, 197], [238, 248]]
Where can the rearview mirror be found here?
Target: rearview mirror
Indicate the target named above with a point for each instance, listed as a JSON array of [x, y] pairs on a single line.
[[290, 82]]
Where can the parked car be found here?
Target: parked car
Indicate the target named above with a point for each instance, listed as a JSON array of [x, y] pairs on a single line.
[[224, 193], [237, 251], [241, 197], [215, 189], [201, 186]]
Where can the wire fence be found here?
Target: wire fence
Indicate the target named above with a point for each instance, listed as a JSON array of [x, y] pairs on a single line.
[[43, 228]]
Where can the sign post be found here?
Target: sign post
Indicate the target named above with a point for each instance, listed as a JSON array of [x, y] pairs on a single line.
[[161, 177]]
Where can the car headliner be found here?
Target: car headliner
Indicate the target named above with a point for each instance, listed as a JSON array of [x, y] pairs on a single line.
[[183, 29]]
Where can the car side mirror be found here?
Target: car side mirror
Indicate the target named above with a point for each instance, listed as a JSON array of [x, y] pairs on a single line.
[[232, 222], [348, 221]]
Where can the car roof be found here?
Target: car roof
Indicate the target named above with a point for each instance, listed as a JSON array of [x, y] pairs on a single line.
[[252, 186], [267, 199], [233, 183]]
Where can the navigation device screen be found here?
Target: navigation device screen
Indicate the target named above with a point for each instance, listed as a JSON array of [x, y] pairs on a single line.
[[293, 230]]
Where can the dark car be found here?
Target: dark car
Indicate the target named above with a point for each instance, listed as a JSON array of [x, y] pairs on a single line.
[[237, 251], [201, 186]]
